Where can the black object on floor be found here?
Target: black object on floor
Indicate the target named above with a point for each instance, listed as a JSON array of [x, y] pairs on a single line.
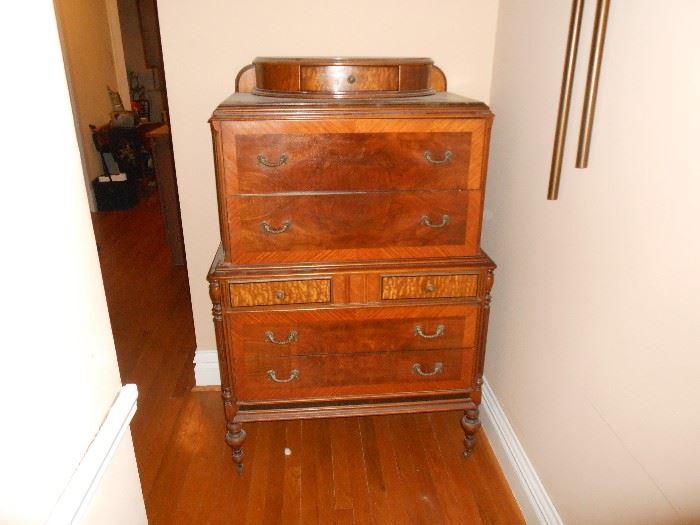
[[115, 195]]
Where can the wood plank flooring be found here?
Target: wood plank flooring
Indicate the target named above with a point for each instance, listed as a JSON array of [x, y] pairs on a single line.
[[405, 469]]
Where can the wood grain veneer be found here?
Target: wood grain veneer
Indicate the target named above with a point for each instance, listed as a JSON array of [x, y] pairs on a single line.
[[429, 286], [353, 330], [280, 292], [278, 163], [328, 155], [334, 375], [355, 283], [335, 78], [350, 280], [352, 226]]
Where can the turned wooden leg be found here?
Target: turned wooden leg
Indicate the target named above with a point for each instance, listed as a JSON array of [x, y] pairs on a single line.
[[235, 436], [471, 425]]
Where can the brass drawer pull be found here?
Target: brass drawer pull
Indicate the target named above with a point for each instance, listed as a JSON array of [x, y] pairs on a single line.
[[440, 330], [269, 229], [351, 79], [445, 159], [418, 369], [425, 221], [291, 338], [262, 159], [294, 375], [429, 288], [279, 295]]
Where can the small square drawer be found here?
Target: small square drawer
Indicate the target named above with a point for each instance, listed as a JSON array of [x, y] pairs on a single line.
[[341, 79], [262, 293], [428, 286]]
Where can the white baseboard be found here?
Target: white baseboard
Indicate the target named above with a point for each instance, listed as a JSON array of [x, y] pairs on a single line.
[[206, 368], [535, 503], [80, 489]]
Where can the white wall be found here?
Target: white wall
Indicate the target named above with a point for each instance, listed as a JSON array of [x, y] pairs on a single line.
[[206, 43], [594, 337], [118, 490], [59, 372]]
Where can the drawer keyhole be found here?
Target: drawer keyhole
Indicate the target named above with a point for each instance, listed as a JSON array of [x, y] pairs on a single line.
[[279, 294]]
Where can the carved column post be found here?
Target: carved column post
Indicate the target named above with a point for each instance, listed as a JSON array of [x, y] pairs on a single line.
[[481, 341], [235, 435]]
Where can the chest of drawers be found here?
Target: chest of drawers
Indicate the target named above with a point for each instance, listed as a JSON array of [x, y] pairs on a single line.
[[350, 280]]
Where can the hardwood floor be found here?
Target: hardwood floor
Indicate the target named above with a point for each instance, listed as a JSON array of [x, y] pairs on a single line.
[[405, 469]]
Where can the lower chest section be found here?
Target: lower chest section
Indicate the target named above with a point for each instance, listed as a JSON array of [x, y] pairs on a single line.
[[352, 336], [352, 351]]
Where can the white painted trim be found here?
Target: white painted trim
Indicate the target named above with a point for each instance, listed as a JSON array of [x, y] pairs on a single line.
[[81, 487], [206, 368], [535, 503]]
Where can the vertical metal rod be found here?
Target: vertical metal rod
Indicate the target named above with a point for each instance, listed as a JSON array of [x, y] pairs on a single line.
[[565, 98], [589, 100]]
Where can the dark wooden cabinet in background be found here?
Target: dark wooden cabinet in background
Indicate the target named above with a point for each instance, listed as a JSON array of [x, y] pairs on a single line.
[[350, 280]]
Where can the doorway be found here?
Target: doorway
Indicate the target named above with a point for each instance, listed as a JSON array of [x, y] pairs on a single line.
[[114, 46]]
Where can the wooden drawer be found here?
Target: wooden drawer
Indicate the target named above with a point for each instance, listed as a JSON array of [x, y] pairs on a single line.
[[265, 377], [343, 79], [261, 293], [429, 286], [352, 161], [353, 330], [367, 226], [353, 155]]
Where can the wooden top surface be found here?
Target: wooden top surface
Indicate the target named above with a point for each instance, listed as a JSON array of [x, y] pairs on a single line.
[[221, 269], [247, 105], [364, 61]]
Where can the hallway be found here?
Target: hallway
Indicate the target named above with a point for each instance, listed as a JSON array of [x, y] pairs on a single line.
[[391, 469]]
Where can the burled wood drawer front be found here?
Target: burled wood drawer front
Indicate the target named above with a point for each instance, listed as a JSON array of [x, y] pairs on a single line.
[[349, 78], [352, 155], [266, 377], [280, 292], [429, 286], [293, 228], [353, 330]]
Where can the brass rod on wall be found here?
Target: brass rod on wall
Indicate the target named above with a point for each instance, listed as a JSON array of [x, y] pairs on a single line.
[[565, 98], [589, 99]]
